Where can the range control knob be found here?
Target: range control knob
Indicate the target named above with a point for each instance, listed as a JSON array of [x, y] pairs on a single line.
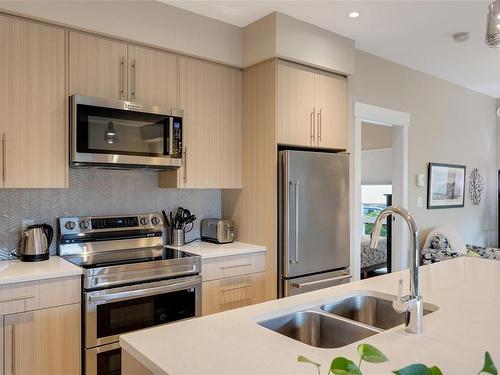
[[143, 221], [84, 224], [70, 225], [155, 220]]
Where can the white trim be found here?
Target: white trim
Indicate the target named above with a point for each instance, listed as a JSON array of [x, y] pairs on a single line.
[[381, 116], [400, 121]]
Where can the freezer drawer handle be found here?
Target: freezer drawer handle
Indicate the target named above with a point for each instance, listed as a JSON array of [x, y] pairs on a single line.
[[310, 283]]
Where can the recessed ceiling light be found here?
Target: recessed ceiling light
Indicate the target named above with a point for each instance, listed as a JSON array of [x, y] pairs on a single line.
[[461, 37], [353, 15]]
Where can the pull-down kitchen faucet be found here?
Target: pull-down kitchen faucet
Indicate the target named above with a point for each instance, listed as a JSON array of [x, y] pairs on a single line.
[[412, 304]]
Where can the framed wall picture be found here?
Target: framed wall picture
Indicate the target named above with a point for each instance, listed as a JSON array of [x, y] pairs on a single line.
[[445, 186]]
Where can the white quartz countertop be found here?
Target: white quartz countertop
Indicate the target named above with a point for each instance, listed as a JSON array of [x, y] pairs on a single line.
[[211, 250], [455, 337], [15, 271]]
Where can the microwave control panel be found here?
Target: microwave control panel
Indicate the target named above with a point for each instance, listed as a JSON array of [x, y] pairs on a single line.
[[176, 151]]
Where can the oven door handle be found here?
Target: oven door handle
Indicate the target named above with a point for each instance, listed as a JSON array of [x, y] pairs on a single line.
[[113, 297]]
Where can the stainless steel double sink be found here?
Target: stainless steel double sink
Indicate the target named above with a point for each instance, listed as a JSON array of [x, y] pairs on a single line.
[[341, 322]]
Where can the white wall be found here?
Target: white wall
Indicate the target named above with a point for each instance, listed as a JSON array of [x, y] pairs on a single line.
[[449, 124], [148, 22], [376, 167]]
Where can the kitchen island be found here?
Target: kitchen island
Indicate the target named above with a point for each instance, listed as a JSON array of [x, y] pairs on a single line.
[[466, 324]]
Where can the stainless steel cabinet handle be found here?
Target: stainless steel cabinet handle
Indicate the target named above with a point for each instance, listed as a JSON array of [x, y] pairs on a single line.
[[15, 299], [237, 266], [296, 184], [4, 156], [185, 164], [338, 278], [312, 131], [235, 287], [319, 126], [132, 74], [122, 80]]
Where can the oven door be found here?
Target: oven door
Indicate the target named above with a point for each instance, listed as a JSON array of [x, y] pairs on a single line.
[[111, 312], [118, 132]]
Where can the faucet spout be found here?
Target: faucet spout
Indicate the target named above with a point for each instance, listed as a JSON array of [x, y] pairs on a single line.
[[412, 304]]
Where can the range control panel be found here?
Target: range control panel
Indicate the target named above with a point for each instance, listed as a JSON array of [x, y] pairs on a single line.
[[92, 224]]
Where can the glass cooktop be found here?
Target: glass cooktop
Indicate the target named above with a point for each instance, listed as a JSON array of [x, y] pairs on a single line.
[[122, 257]]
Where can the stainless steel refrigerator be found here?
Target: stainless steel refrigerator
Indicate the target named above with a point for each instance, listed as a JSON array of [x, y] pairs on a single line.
[[313, 239]]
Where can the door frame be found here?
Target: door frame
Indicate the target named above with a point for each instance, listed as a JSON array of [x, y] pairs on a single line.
[[400, 122]]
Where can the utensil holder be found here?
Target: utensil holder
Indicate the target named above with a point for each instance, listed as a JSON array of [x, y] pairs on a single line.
[[177, 237]]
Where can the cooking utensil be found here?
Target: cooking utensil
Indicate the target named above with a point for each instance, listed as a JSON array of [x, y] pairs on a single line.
[[167, 222]]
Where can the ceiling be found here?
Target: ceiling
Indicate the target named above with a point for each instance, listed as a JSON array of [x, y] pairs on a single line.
[[412, 33]]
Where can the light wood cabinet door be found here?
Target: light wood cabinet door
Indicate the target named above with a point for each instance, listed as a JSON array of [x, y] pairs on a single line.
[[331, 110], [152, 77], [43, 342], [97, 66], [211, 97], [232, 292], [33, 119], [295, 92]]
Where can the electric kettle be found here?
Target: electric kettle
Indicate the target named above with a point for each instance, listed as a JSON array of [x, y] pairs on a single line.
[[35, 243]]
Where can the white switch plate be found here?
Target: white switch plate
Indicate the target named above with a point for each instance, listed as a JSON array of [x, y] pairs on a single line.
[[26, 223], [420, 180], [420, 202]]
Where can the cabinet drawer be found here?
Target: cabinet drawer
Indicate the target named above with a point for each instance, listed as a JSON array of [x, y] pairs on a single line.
[[236, 265], [232, 292], [34, 295]]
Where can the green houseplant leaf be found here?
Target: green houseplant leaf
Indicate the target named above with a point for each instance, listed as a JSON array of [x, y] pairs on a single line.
[[489, 366], [303, 359], [418, 369], [434, 370], [371, 354], [343, 366]]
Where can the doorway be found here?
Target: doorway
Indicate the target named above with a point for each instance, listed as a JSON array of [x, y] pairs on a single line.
[[376, 194], [398, 122]]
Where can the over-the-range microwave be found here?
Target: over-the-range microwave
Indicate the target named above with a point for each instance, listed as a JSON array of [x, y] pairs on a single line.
[[116, 133]]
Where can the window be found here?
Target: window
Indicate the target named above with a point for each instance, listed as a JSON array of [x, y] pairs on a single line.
[[373, 201]]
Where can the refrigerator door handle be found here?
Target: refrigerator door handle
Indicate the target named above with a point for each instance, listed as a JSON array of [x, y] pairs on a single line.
[[296, 184], [316, 282]]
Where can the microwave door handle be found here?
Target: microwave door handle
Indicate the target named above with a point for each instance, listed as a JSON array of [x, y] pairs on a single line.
[[114, 297], [170, 136]]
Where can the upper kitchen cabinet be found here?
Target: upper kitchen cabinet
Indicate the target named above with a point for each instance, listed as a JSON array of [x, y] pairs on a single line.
[[331, 110], [211, 97], [97, 66], [312, 107], [33, 93], [152, 77], [110, 69], [295, 105]]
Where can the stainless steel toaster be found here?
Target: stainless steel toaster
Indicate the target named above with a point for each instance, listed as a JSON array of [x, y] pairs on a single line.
[[217, 230]]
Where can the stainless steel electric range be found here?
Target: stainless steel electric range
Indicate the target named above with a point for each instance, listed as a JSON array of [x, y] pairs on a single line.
[[130, 281]]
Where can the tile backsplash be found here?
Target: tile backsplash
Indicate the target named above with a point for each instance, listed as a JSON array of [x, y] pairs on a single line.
[[99, 192]]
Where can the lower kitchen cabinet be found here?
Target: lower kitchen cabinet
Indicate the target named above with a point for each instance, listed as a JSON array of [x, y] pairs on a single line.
[[233, 292], [43, 342]]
